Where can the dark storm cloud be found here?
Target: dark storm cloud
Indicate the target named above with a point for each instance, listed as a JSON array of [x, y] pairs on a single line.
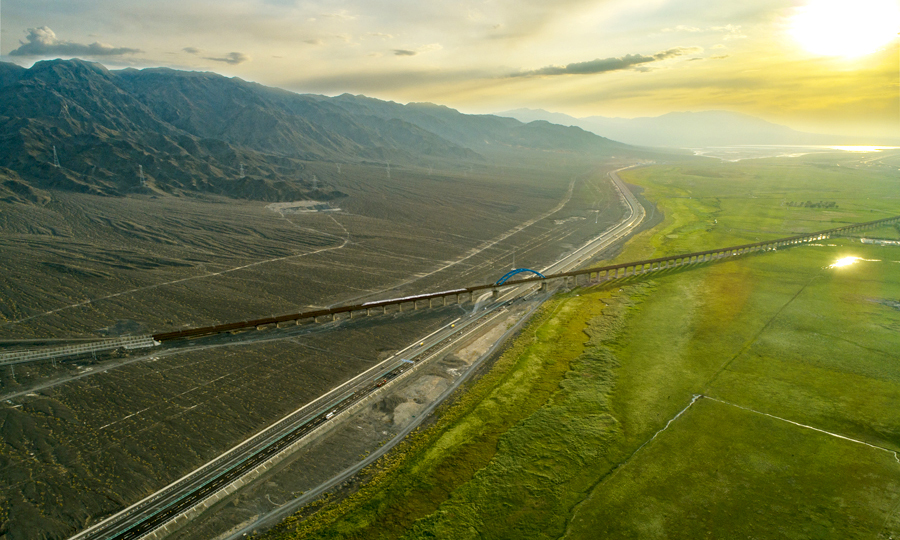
[[404, 52], [604, 65], [232, 58], [43, 42]]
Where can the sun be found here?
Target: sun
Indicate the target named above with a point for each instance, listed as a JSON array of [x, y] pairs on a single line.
[[846, 28]]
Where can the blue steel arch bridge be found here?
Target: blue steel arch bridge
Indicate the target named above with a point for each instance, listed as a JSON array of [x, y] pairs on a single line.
[[510, 274]]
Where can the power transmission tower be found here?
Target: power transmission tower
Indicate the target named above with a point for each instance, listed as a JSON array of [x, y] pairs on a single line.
[[315, 183], [389, 169], [242, 170], [55, 158], [339, 168], [141, 174]]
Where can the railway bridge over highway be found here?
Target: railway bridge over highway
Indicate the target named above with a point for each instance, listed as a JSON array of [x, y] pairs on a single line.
[[219, 478], [574, 277], [450, 297]]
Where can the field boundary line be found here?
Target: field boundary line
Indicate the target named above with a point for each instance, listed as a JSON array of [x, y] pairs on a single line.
[[838, 435], [589, 493], [746, 346], [694, 400]]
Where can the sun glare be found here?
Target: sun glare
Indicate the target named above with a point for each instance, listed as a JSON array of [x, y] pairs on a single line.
[[864, 149], [848, 29], [847, 261]]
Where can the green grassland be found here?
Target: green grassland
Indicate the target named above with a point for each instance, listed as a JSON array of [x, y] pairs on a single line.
[[591, 424], [711, 204], [783, 336], [421, 475]]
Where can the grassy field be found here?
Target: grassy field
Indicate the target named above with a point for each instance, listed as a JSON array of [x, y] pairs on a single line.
[[782, 336], [524, 381], [753, 398], [712, 204]]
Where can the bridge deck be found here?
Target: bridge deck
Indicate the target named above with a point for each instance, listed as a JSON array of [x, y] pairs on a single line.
[[680, 259]]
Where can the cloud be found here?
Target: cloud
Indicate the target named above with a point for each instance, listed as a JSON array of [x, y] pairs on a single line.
[[731, 31], [388, 81], [677, 51], [683, 28], [314, 41], [422, 49], [233, 58], [192, 50], [342, 14], [43, 42], [603, 65]]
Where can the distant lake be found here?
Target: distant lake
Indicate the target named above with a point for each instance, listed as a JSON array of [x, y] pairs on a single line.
[[737, 153]]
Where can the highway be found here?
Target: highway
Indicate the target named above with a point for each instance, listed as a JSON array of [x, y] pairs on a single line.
[[636, 216], [147, 515]]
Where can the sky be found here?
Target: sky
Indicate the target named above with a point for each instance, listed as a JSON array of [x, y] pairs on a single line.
[[825, 66]]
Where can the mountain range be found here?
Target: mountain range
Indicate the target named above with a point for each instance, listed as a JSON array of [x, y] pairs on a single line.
[[77, 126], [688, 129]]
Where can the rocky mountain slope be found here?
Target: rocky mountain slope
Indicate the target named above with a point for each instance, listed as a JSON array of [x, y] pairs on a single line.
[[188, 132]]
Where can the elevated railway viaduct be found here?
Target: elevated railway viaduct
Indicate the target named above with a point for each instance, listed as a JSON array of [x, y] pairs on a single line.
[[441, 298], [468, 294], [151, 517]]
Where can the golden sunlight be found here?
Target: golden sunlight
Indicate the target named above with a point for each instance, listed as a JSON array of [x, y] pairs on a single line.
[[842, 28], [847, 261], [863, 149]]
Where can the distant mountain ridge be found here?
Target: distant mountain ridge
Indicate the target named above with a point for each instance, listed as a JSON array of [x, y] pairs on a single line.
[[687, 129], [202, 132]]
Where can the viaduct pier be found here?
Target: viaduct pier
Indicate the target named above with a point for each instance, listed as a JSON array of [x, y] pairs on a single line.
[[574, 277], [443, 298]]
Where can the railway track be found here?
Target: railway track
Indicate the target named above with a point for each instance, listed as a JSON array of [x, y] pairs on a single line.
[[155, 511], [148, 515]]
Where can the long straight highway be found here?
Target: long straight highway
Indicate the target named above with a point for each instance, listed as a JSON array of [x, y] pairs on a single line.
[[155, 511]]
